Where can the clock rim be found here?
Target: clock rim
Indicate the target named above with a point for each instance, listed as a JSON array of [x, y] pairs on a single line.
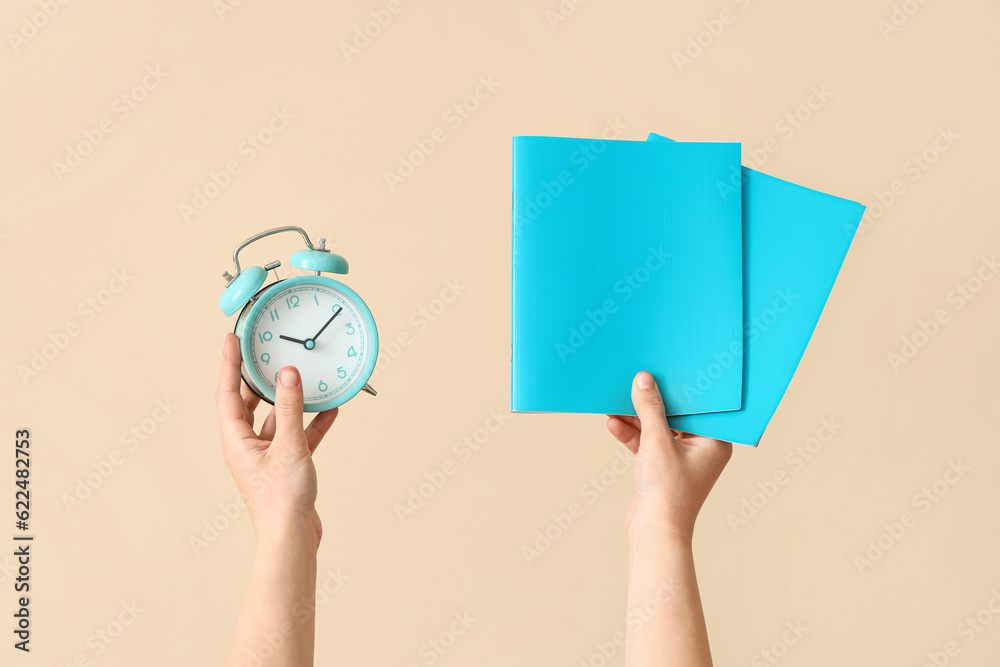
[[256, 305]]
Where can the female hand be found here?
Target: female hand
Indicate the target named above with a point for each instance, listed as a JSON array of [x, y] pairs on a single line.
[[274, 469], [673, 471]]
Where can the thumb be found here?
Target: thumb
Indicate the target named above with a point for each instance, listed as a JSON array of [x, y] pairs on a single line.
[[649, 405], [288, 408]]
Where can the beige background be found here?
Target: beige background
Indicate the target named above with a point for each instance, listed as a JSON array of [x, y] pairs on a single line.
[[160, 337]]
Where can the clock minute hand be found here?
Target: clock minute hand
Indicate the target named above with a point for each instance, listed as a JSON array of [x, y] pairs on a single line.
[[339, 309]]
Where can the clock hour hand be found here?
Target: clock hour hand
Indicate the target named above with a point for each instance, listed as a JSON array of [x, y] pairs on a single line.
[[294, 340], [332, 318]]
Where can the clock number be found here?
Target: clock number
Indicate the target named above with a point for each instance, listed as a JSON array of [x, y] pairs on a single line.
[[350, 328], [292, 302], [322, 386], [351, 352], [276, 377], [266, 336], [316, 296], [266, 358], [341, 373], [274, 314]]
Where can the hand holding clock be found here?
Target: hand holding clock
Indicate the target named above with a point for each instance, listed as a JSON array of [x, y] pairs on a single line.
[[273, 469], [275, 473]]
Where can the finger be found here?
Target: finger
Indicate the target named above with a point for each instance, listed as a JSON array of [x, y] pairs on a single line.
[[709, 458], [630, 420], [624, 433], [228, 399], [649, 405], [267, 428], [318, 427], [250, 400], [693, 440], [715, 452], [288, 429], [724, 451], [250, 397]]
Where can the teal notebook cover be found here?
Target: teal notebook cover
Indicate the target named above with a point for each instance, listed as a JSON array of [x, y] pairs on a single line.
[[793, 246], [626, 256]]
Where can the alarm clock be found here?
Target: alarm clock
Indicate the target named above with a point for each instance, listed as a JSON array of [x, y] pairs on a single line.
[[313, 322]]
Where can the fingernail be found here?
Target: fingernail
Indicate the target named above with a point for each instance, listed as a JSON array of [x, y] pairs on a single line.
[[644, 381], [289, 377]]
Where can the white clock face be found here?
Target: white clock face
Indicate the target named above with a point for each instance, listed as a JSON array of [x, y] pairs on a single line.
[[319, 330]]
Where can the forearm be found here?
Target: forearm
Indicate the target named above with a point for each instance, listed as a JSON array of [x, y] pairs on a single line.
[[277, 625], [666, 624]]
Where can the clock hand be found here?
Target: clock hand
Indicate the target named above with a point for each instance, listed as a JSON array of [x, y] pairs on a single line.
[[310, 343], [339, 309]]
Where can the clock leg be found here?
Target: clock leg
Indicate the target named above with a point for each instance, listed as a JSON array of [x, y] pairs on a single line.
[[369, 389]]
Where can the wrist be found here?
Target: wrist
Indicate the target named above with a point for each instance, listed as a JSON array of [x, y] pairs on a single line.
[[289, 531], [648, 525]]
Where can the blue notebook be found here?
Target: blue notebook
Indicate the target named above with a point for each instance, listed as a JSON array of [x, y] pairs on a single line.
[[626, 257], [794, 244]]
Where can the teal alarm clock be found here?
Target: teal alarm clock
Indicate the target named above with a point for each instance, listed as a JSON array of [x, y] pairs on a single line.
[[313, 322]]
